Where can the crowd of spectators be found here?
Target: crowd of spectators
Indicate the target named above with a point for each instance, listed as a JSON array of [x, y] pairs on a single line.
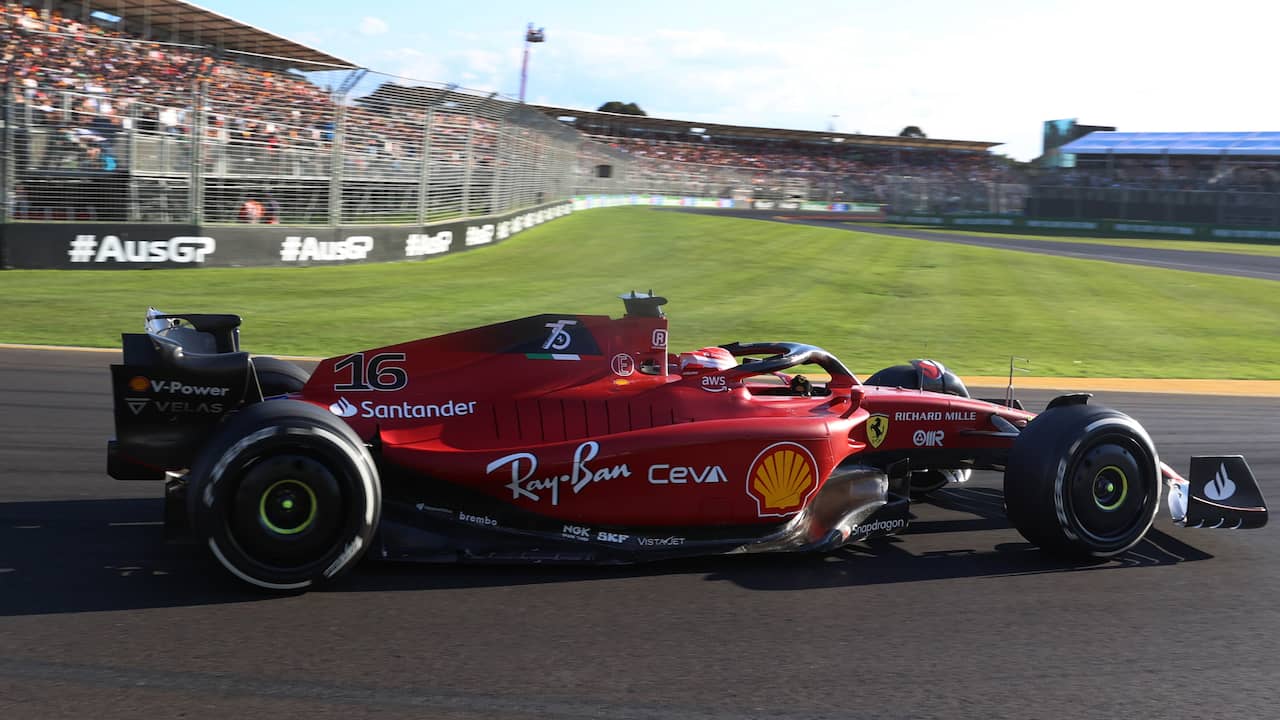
[[79, 86], [826, 170], [85, 82], [1168, 173]]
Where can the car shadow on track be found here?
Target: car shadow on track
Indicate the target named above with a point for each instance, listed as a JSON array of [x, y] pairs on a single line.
[[94, 555]]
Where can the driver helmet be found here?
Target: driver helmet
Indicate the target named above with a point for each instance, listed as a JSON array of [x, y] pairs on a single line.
[[706, 360]]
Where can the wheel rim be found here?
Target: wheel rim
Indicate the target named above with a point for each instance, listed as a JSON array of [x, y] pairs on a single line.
[[287, 511], [1109, 490], [287, 507]]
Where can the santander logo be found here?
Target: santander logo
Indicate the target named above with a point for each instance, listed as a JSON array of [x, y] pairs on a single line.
[[1220, 487], [343, 408]]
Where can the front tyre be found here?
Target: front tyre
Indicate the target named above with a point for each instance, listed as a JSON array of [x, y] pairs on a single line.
[[1083, 481], [285, 496]]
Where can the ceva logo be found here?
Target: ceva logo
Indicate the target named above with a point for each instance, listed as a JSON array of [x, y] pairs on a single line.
[[1220, 487], [343, 408]]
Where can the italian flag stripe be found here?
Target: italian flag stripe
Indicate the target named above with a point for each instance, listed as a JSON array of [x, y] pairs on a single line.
[[551, 356]]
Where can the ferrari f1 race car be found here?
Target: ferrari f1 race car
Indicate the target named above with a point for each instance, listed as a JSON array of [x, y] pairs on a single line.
[[579, 438]]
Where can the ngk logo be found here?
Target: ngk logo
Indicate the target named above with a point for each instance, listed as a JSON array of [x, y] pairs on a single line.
[[928, 438], [300, 249]]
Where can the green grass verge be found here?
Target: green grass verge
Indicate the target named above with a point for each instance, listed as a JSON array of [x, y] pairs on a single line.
[[873, 300], [1261, 247]]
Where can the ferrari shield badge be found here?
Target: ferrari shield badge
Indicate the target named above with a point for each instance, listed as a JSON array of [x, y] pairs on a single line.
[[877, 429]]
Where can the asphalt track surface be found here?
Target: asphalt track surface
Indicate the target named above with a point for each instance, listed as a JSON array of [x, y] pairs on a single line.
[[958, 619], [1263, 267]]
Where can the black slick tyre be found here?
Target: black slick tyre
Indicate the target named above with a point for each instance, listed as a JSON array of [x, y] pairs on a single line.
[[279, 377], [285, 496], [1083, 481]]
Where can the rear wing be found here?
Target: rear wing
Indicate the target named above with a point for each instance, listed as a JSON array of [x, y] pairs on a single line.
[[176, 382]]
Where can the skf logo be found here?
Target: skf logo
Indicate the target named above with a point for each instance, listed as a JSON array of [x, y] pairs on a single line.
[[928, 438], [877, 429], [781, 478]]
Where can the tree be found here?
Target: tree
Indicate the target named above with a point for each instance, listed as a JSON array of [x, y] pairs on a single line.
[[613, 106], [912, 131]]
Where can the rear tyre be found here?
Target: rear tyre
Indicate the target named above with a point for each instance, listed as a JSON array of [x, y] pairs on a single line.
[[285, 496], [1083, 482], [279, 377]]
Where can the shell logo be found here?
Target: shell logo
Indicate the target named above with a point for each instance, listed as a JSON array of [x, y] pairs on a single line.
[[781, 479], [139, 384]]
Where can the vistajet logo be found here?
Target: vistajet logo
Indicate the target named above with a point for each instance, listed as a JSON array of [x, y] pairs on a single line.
[[296, 248], [88, 248]]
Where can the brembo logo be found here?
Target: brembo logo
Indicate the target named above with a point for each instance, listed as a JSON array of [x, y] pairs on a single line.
[[1221, 486], [300, 249], [87, 248]]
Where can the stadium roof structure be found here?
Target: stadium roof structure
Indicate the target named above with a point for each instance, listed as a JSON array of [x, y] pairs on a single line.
[[192, 23], [585, 119], [1176, 143]]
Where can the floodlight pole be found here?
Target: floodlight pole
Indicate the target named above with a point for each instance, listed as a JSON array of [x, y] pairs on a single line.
[[530, 36]]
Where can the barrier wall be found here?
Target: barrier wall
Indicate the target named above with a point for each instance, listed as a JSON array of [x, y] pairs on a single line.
[[1088, 228], [102, 246]]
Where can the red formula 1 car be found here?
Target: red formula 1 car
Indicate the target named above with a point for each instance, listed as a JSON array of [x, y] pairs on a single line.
[[575, 438]]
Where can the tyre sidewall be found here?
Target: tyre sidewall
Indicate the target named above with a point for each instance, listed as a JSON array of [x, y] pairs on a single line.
[[293, 427], [1040, 470], [279, 377]]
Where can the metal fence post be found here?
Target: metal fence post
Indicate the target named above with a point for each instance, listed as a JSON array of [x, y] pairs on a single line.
[[130, 165], [337, 152], [424, 172], [496, 204], [467, 160], [6, 152], [198, 139]]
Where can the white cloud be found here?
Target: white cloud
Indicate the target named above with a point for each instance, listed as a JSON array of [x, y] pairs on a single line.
[[371, 26]]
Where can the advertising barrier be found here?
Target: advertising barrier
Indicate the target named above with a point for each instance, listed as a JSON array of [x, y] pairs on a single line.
[[1087, 228], [124, 246]]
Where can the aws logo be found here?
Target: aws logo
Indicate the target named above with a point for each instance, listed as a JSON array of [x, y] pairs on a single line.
[[781, 479]]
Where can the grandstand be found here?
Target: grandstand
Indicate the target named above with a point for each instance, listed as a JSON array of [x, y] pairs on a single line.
[[1224, 178], [159, 111], [164, 112], [744, 162]]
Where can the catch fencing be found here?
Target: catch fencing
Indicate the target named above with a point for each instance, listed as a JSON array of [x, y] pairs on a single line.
[[231, 142]]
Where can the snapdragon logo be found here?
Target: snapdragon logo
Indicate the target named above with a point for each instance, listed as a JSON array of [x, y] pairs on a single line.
[[183, 249], [878, 526], [296, 248]]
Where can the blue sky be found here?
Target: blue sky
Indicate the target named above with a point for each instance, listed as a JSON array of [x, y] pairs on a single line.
[[992, 70]]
